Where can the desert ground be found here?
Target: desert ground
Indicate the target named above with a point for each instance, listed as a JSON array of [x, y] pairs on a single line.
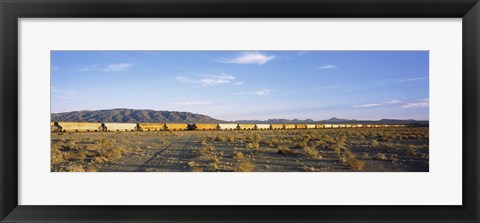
[[302, 150]]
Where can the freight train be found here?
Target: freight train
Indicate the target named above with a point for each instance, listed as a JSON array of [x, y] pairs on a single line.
[[108, 127]]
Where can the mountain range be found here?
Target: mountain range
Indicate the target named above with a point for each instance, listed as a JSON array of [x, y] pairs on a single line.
[[135, 116]]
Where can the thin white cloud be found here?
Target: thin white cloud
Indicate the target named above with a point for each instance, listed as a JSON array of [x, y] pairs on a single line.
[[391, 102], [328, 67], [192, 103], [117, 67], [249, 58], [366, 105], [239, 83], [89, 68], [209, 79], [264, 91], [53, 68], [418, 104]]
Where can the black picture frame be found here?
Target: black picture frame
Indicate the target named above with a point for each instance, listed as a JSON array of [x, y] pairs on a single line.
[[12, 10]]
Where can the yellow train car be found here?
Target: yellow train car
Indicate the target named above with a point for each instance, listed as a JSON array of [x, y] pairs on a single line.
[[342, 126], [120, 126], [320, 126], [206, 126], [228, 126], [311, 126], [262, 126], [151, 126], [277, 126], [335, 126], [290, 126], [80, 126], [301, 126], [176, 126], [328, 126], [246, 126]]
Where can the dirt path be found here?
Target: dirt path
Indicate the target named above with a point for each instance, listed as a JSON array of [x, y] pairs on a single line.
[[135, 163]]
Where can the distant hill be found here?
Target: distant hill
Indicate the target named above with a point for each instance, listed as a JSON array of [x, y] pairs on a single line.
[[135, 116], [339, 121], [131, 116]]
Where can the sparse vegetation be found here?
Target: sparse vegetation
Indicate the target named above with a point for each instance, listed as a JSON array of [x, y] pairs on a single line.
[[358, 149]]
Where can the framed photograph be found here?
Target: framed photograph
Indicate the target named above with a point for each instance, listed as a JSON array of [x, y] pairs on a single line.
[[255, 111]]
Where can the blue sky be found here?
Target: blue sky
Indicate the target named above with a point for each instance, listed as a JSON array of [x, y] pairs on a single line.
[[234, 85]]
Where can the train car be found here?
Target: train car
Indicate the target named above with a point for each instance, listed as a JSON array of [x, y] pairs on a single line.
[[368, 126], [359, 126], [262, 126], [335, 126], [320, 126], [354, 126], [228, 126], [342, 126], [277, 126], [328, 126], [80, 126], [348, 126], [176, 126], [120, 126], [151, 126], [290, 126], [246, 126], [301, 126], [206, 126], [311, 126]]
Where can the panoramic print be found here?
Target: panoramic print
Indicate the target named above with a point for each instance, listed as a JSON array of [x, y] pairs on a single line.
[[239, 111]]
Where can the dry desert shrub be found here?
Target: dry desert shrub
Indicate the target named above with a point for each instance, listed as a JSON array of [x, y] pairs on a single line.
[[206, 149], [312, 153], [374, 143], [254, 145], [257, 137], [220, 138], [353, 162], [302, 144], [285, 151], [381, 156], [245, 167], [365, 155], [75, 155], [411, 150], [238, 155]]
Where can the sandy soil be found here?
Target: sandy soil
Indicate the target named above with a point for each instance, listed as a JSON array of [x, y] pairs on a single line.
[[331, 150]]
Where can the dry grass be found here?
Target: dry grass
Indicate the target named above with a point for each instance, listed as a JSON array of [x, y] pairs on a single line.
[[238, 155], [254, 145], [411, 151], [92, 151], [245, 167], [312, 153], [381, 156], [374, 143], [286, 151]]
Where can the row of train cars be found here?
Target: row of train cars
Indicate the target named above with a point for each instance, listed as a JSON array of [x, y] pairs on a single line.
[[106, 127]]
